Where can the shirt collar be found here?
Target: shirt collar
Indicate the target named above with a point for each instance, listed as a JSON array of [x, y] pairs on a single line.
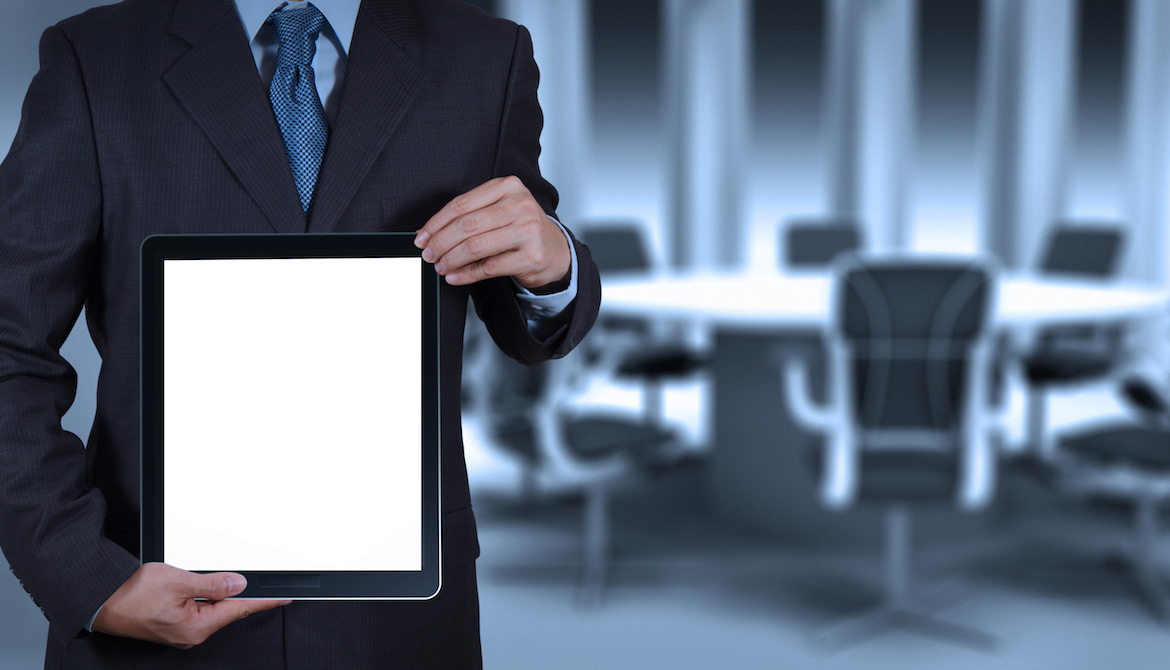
[[341, 14]]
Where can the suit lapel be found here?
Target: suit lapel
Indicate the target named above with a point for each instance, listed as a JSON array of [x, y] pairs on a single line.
[[381, 80], [217, 83]]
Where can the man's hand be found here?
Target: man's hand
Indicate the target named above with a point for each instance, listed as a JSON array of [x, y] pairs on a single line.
[[158, 604], [496, 229]]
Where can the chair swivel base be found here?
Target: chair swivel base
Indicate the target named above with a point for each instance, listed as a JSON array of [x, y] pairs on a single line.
[[887, 618], [1149, 586], [597, 538], [898, 610], [1131, 463]]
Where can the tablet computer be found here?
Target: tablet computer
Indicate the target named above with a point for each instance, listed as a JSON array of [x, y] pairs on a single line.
[[290, 412]]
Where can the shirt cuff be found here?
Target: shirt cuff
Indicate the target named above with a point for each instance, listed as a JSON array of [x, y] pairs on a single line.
[[89, 626], [539, 310]]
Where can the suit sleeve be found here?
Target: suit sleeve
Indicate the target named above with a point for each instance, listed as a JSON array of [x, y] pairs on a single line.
[[517, 154], [51, 519]]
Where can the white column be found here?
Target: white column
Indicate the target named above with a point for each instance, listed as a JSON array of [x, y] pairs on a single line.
[[841, 93], [560, 41], [888, 111], [1025, 120], [706, 97], [1148, 142], [677, 215], [999, 129], [870, 97]]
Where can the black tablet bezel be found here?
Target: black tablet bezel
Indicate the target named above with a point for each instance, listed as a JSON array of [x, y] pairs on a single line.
[[323, 585]]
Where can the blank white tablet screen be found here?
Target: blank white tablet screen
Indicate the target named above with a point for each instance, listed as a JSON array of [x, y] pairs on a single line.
[[292, 414]]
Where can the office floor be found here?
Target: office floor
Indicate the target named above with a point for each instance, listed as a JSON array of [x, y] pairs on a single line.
[[689, 591]]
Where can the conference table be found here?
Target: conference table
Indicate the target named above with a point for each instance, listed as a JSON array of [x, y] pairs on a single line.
[[760, 473], [771, 301]]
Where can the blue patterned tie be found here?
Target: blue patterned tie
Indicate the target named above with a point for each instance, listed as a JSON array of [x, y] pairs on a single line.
[[294, 96]]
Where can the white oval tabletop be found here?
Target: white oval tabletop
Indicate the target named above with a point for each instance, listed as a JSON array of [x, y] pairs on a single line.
[[802, 301]]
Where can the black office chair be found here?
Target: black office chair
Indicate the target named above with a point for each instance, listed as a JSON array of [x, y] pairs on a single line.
[[905, 422], [618, 248], [1083, 250], [811, 243], [526, 417], [1069, 355], [1129, 461]]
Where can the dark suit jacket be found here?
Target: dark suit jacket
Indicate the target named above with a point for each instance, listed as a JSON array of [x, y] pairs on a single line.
[[149, 117]]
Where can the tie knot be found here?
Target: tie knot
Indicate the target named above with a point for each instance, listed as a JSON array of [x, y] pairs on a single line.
[[298, 29]]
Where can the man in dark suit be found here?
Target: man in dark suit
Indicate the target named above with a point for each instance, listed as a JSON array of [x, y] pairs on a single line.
[[149, 117]]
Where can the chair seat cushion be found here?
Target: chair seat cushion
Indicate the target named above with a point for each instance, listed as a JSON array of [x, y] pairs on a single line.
[[907, 476], [595, 438], [1057, 365], [1146, 395], [1139, 446], [664, 361], [901, 475], [517, 436]]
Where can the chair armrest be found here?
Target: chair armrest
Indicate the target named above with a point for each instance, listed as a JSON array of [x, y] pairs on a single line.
[[808, 412], [979, 470], [562, 465], [840, 457], [979, 464], [548, 417], [997, 416]]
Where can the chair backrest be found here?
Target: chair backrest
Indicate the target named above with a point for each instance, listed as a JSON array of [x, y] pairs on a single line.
[[1083, 249], [909, 330], [617, 246], [809, 243]]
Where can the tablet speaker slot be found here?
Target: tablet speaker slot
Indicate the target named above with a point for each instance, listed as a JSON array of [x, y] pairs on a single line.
[[289, 581]]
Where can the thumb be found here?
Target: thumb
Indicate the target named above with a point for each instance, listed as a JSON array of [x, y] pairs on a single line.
[[216, 586], [213, 616]]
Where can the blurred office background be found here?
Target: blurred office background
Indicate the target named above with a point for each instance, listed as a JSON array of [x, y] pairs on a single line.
[[656, 500]]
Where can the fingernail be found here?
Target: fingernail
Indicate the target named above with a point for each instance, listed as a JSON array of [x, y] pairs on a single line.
[[427, 255], [285, 602], [237, 583], [421, 240], [440, 268], [451, 279]]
